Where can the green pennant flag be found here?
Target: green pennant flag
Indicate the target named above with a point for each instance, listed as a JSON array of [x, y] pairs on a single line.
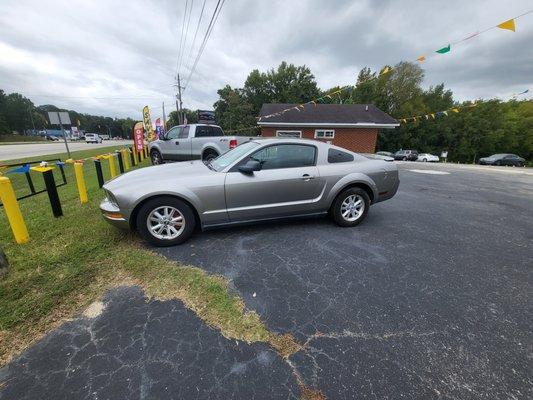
[[443, 50]]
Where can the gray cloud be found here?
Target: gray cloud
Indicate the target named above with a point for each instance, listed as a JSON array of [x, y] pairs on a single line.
[[114, 57]]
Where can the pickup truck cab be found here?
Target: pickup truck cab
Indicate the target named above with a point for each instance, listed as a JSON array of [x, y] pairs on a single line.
[[193, 142]]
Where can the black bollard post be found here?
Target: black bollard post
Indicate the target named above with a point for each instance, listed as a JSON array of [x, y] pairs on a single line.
[[99, 174], [120, 162], [132, 156], [51, 188]]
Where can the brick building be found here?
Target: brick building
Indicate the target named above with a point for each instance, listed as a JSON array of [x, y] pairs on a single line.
[[352, 126]]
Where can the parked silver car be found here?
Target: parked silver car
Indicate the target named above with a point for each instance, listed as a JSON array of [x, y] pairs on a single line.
[[258, 180]]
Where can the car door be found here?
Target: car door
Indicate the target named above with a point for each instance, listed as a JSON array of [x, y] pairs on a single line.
[[183, 144], [169, 147], [288, 184]]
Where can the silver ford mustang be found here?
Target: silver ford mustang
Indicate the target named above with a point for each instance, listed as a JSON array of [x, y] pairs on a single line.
[[259, 180]]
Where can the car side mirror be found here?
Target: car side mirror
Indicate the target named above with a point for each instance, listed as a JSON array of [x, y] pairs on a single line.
[[250, 167]]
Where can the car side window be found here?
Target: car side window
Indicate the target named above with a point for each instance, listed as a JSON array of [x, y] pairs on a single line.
[[201, 131], [286, 156], [338, 156], [173, 133], [215, 131], [184, 132]]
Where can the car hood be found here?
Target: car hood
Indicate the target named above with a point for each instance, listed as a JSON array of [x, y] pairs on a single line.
[[173, 171]]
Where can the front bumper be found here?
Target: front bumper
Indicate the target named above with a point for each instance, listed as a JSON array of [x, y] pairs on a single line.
[[113, 215]]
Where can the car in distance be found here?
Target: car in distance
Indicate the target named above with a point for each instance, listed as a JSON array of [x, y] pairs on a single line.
[[52, 138], [92, 138], [259, 180], [406, 155], [193, 142], [426, 157], [503, 159], [385, 153]]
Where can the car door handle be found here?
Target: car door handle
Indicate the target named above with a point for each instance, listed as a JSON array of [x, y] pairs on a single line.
[[177, 142], [307, 177]]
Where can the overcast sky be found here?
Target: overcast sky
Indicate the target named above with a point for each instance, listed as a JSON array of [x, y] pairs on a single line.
[[113, 57]]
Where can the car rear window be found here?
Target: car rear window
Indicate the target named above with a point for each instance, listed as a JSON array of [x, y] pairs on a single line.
[[338, 156]]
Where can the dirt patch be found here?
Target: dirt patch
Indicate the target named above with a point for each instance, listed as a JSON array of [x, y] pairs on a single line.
[[286, 345], [94, 310]]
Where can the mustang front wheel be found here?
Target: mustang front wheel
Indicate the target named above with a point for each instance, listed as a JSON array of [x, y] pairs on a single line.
[[165, 221], [351, 207]]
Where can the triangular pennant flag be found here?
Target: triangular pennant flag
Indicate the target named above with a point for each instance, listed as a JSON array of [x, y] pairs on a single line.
[[509, 25], [445, 113], [421, 59], [404, 120], [433, 115], [455, 110], [444, 50], [21, 170], [427, 116], [386, 70]]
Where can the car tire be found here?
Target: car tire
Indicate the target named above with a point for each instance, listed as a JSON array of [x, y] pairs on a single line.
[[424, 160], [168, 208], [156, 157], [498, 163], [209, 155], [343, 214]]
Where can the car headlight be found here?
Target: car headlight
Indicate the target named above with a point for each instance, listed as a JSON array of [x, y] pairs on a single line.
[[111, 198]]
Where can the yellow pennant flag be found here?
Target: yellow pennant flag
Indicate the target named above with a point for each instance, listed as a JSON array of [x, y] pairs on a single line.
[[509, 25], [421, 59], [455, 110], [433, 115], [386, 70]]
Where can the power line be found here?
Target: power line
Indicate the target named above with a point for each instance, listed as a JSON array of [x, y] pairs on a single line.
[[181, 37], [212, 23], [189, 57], [185, 38]]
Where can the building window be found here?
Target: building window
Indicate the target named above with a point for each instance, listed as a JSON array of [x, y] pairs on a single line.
[[324, 134], [289, 134]]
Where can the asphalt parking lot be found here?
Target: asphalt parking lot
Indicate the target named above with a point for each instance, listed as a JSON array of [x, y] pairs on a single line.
[[428, 298]]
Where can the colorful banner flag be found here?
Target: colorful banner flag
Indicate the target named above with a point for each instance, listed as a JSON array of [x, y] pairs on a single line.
[[148, 124], [159, 129], [444, 50], [509, 25], [138, 136], [421, 59]]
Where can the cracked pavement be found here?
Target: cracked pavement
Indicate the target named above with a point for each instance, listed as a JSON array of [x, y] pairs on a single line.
[[428, 298]]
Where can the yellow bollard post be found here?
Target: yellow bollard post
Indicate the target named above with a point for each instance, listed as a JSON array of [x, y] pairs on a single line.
[[125, 159], [135, 156], [112, 166], [80, 180], [14, 216]]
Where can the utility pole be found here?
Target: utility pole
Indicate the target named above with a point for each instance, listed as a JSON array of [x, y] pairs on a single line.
[[31, 118], [164, 118], [179, 103]]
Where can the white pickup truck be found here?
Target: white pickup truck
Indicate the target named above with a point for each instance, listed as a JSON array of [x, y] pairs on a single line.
[[193, 142]]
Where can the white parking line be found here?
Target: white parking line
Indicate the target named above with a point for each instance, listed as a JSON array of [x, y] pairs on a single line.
[[429, 171]]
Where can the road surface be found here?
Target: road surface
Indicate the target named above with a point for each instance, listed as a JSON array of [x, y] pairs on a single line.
[[18, 151]]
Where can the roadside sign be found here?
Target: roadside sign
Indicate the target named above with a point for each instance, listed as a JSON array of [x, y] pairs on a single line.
[[59, 118], [148, 124], [138, 136]]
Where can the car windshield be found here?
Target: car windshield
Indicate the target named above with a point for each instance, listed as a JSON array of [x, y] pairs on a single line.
[[221, 162]]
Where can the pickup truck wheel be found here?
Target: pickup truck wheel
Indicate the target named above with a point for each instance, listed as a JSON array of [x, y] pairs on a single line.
[[156, 158], [209, 156], [165, 221], [350, 207]]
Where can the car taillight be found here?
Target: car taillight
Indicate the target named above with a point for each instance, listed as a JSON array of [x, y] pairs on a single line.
[[232, 143]]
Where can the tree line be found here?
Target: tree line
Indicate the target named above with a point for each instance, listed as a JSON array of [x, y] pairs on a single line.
[[492, 126], [19, 115]]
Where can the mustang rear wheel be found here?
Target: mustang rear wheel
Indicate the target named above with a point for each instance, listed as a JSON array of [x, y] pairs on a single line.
[[351, 207], [165, 221]]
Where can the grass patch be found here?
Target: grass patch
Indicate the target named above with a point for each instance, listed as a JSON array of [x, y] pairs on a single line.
[[70, 261], [4, 139]]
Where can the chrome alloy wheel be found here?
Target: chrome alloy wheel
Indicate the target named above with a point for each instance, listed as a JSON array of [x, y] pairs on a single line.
[[352, 207], [156, 158], [165, 223]]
